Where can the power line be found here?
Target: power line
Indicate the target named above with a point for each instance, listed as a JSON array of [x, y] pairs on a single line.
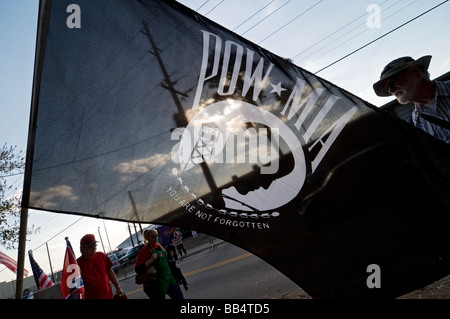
[[13, 174], [59, 232], [254, 14], [266, 17], [387, 33], [13, 189], [214, 7], [202, 5], [343, 27], [286, 24], [365, 30]]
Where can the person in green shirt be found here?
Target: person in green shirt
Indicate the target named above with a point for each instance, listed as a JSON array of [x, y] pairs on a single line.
[[155, 254]]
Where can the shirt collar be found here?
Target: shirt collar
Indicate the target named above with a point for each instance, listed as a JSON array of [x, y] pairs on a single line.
[[442, 88]]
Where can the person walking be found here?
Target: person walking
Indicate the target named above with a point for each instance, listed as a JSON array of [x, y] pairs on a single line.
[[176, 271], [177, 241], [155, 254], [96, 271]]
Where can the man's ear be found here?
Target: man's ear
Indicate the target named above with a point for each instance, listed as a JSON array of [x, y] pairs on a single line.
[[416, 71]]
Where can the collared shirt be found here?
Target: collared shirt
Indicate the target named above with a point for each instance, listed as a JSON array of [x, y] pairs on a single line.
[[94, 272], [440, 108]]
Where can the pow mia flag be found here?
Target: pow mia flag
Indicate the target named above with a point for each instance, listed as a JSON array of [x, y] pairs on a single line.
[[147, 111]]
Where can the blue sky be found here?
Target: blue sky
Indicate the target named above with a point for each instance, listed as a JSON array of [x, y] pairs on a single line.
[[312, 33]]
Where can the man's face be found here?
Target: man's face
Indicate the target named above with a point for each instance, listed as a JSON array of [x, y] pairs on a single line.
[[403, 85], [88, 250]]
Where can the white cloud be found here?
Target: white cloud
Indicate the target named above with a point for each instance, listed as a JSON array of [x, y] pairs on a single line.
[[46, 198], [141, 166]]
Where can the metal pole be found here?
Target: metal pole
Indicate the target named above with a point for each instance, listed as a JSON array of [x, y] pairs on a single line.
[[101, 240], [21, 252], [50, 261], [107, 237]]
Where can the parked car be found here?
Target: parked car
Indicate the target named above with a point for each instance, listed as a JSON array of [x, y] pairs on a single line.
[[115, 260], [131, 255], [122, 252], [27, 294]]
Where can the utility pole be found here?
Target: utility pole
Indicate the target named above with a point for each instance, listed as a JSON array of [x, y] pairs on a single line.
[[131, 236], [136, 234], [135, 210], [170, 86]]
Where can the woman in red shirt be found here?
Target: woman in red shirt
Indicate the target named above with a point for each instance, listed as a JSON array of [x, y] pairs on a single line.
[[155, 254]]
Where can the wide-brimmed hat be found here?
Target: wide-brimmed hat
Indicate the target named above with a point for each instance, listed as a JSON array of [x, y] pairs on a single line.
[[397, 66]]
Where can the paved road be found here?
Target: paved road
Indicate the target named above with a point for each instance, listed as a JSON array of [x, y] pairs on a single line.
[[227, 272]]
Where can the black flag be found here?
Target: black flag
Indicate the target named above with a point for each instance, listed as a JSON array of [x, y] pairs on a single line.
[[147, 111]]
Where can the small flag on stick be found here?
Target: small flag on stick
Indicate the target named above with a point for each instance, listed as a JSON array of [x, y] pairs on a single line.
[[42, 280]]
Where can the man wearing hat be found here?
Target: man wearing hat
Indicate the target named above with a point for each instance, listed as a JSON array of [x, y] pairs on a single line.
[[96, 271], [409, 81]]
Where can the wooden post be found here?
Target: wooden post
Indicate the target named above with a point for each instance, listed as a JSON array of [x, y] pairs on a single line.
[[21, 252]]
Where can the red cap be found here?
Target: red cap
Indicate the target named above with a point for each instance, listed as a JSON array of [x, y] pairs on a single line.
[[88, 239]]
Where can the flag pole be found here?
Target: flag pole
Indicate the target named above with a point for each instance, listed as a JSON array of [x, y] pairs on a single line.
[[50, 262], [21, 252]]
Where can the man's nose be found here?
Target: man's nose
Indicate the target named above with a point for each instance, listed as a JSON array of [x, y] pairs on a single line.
[[391, 88]]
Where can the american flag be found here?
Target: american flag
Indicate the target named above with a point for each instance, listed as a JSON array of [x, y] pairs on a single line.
[[42, 280], [10, 263]]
